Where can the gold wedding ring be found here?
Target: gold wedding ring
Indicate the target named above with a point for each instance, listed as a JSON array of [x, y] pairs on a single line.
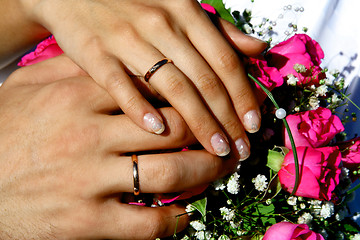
[[134, 159], [154, 68]]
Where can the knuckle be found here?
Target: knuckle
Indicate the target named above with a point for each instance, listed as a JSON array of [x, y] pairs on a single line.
[[129, 33], [158, 18], [228, 61], [199, 127], [92, 42], [241, 95], [208, 84], [64, 90], [114, 81], [231, 126], [131, 105], [175, 87]]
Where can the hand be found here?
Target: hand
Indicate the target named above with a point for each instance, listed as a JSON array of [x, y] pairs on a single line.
[[206, 84], [64, 171]]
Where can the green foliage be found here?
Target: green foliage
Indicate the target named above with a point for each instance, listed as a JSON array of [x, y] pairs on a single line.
[[200, 206], [264, 211], [221, 10], [274, 160]]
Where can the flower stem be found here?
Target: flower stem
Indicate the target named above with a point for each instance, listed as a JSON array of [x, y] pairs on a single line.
[[353, 189], [271, 97], [347, 98]]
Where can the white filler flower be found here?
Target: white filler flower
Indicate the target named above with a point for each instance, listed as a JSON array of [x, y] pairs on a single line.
[[292, 200], [292, 80], [327, 210], [233, 185], [260, 182], [197, 225], [306, 218], [227, 213]]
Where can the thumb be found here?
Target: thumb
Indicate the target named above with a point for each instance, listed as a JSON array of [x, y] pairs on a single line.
[[243, 43]]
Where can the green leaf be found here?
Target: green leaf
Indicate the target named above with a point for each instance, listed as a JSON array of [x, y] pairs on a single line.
[[274, 160], [264, 211], [221, 10], [350, 226], [257, 237], [200, 205]]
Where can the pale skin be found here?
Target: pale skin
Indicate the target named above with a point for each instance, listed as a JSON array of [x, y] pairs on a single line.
[[206, 83], [63, 168]]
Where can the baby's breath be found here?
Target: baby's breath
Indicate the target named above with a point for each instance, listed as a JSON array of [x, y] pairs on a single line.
[[233, 185], [260, 182], [327, 210], [197, 225]]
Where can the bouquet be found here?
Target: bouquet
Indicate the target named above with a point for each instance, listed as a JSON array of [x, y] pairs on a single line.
[[297, 182]]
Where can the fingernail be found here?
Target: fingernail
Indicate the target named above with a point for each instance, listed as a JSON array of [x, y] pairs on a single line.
[[153, 123], [220, 145], [243, 149], [252, 121]]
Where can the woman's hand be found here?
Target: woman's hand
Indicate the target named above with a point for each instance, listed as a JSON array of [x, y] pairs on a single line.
[[64, 171], [206, 83]]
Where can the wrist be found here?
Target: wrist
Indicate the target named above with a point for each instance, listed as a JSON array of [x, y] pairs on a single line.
[[19, 30], [32, 16]]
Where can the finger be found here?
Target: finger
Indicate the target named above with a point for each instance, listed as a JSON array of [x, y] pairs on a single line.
[[174, 86], [245, 44], [208, 85], [227, 65], [176, 135], [123, 221], [160, 173], [110, 74], [51, 70]]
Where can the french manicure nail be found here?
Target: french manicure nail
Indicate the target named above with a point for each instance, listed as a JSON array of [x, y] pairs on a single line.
[[220, 145], [153, 123], [243, 149], [252, 121]]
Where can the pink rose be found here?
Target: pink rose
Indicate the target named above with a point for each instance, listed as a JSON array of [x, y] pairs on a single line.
[[319, 172], [44, 50], [315, 128], [299, 49], [290, 231], [270, 77], [350, 154]]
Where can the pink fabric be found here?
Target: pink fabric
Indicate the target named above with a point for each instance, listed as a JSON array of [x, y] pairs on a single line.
[[44, 50], [208, 8]]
